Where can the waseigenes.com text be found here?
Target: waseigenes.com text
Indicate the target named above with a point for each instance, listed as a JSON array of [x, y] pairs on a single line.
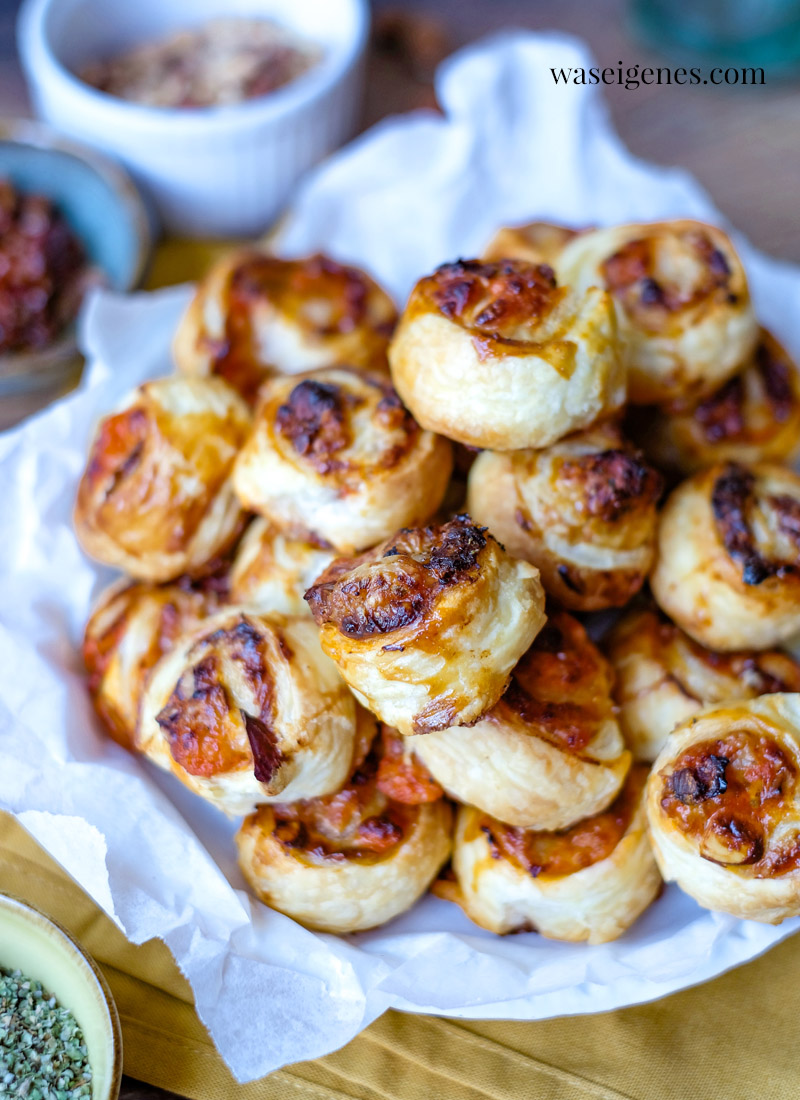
[[633, 76]]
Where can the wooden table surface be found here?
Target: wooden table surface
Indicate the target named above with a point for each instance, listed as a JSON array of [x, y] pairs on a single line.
[[741, 143]]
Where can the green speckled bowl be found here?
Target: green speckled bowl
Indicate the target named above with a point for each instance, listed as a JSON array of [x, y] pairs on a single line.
[[43, 950]]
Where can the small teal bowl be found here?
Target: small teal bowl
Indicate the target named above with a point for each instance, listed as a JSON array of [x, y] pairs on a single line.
[[107, 213]]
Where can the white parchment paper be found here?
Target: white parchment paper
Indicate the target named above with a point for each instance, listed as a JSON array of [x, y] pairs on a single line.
[[408, 195]]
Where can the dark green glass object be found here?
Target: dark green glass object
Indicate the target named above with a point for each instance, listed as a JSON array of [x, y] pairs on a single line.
[[762, 33]]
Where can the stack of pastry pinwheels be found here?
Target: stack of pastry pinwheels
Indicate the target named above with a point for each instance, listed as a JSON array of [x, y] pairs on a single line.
[[360, 553]]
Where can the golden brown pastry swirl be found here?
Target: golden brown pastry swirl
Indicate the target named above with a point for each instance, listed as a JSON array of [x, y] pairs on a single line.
[[724, 807], [498, 355], [131, 627], [582, 511], [550, 751], [271, 571], [247, 708], [353, 859], [337, 458], [255, 315], [685, 318], [728, 566], [536, 243], [589, 882], [427, 626], [753, 417], [156, 497], [663, 677]]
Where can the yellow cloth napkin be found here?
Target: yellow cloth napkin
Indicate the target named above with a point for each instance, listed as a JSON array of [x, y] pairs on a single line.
[[732, 1039]]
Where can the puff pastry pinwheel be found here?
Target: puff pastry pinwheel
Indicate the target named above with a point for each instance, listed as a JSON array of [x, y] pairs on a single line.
[[589, 882], [550, 752], [536, 243], [583, 511], [350, 861], [131, 627], [686, 322], [255, 315], [271, 570], [248, 709], [337, 457], [728, 561], [724, 808], [426, 627], [663, 677], [753, 417], [156, 498], [497, 355]]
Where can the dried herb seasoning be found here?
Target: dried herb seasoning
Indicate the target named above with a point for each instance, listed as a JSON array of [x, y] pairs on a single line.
[[43, 1054]]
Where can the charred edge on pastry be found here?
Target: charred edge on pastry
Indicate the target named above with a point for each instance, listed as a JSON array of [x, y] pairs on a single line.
[[775, 374], [380, 603], [615, 482], [721, 416], [508, 291], [365, 606], [692, 785], [391, 413], [456, 550], [314, 421], [730, 496]]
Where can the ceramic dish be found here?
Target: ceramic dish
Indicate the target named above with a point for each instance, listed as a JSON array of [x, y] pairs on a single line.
[[212, 171], [43, 950], [106, 212]]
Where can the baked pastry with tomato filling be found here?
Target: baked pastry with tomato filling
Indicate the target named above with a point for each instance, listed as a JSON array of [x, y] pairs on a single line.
[[589, 882], [248, 709], [156, 498], [724, 810], [550, 752], [355, 859], [686, 321], [664, 677], [753, 417], [728, 559], [271, 570], [131, 627], [498, 355], [255, 315], [337, 457], [426, 627], [583, 511], [536, 243]]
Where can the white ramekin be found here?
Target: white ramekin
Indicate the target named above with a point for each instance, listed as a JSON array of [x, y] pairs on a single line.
[[212, 172]]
